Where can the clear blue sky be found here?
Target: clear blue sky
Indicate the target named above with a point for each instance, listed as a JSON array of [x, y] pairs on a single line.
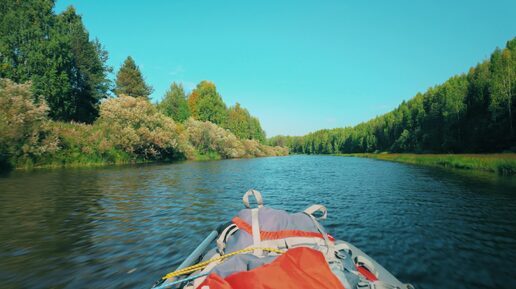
[[301, 65]]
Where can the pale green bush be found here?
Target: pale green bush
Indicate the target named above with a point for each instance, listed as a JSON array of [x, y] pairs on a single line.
[[255, 149], [278, 151], [136, 126], [252, 148], [207, 137], [24, 128]]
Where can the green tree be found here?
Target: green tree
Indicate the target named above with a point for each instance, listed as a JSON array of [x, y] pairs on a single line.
[[55, 53], [129, 80], [238, 121], [89, 72], [476, 130], [174, 103], [454, 108], [467, 113], [504, 84], [24, 36], [402, 144], [206, 104], [256, 131]]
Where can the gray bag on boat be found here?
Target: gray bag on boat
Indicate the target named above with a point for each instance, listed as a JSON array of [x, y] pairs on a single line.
[[261, 227]]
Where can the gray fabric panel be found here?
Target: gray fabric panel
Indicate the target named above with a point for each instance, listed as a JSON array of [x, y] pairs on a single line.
[[275, 220], [270, 220], [238, 241], [240, 263]]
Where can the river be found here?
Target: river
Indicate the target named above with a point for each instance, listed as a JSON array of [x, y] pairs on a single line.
[[126, 226]]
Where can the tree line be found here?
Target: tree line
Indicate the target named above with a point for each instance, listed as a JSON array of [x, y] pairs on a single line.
[[58, 103], [128, 129], [70, 71], [469, 113], [203, 103]]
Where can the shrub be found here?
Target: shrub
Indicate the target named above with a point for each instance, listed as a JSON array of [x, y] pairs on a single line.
[[207, 137], [136, 126], [24, 128]]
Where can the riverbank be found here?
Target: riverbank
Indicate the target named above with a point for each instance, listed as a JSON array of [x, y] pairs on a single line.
[[123, 159], [502, 164], [127, 130]]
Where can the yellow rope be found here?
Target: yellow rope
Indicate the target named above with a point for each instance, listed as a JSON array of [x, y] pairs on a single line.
[[204, 264]]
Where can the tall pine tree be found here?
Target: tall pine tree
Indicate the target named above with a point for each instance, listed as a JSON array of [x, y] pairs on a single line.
[[88, 75], [129, 80]]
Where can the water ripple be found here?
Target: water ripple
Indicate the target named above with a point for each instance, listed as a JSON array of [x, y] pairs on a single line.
[[123, 227]]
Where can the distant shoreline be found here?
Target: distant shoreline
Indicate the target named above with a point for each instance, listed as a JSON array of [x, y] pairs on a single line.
[[501, 164]]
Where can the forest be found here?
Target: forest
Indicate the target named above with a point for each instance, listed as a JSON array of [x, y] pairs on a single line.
[[469, 113], [59, 107]]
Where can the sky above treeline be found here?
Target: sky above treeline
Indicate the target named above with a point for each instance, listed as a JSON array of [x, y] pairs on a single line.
[[301, 65]]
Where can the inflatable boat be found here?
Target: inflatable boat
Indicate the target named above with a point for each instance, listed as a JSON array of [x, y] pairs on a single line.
[[266, 248]]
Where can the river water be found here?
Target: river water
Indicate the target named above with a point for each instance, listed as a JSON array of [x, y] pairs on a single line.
[[125, 226]]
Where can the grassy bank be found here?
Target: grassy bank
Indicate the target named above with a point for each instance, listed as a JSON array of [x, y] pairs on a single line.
[[114, 157], [502, 164], [77, 161], [85, 161]]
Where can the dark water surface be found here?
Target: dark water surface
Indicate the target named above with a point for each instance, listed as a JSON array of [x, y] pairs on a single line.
[[124, 227]]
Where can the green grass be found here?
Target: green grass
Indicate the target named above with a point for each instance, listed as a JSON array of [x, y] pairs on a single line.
[[209, 156], [74, 158], [502, 164], [80, 147]]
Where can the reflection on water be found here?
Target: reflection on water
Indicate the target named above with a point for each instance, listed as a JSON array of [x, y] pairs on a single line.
[[123, 227]]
